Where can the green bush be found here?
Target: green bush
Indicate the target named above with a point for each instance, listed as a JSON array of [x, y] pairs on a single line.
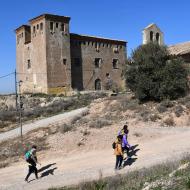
[[152, 74]]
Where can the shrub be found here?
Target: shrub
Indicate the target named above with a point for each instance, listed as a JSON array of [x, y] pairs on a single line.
[[161, 109], [167, 103], [65, 128], [145, 115], [99, 123], [154, 75], [8, 116], [178, 110], [129, 104], [169, 121], [154, 117], [188, 182]]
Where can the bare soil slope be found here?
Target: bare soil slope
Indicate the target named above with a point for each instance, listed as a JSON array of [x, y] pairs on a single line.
[[85, 152]]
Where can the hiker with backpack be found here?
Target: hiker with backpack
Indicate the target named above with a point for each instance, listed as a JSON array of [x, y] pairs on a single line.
[[125, 144], [118, 152], [31, 158]]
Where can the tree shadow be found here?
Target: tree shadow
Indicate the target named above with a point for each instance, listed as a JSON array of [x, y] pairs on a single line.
[[48, 172], [45, 167]]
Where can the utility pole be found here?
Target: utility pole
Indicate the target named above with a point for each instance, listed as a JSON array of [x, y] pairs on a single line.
[[20, 109], [16, 94]]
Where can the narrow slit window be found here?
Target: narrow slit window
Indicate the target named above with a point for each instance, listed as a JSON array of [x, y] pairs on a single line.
[[51, 26], [28, 64], [62, 27], [34, 29], [41, 26], [151, 36]]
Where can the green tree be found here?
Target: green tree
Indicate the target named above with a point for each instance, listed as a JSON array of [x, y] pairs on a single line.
[[152, 74]]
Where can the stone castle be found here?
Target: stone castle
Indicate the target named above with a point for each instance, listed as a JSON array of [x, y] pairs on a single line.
[[50, 59]]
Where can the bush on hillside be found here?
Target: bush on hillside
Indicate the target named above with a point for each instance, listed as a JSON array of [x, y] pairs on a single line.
[[152, 74]]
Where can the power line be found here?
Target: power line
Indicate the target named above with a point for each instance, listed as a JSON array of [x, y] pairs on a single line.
[[7, 75]]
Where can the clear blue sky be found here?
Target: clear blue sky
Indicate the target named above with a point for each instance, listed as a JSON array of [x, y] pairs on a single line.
[[118, 19]]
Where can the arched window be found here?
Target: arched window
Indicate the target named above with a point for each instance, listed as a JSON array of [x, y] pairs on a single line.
[[98, 84], [157, 37], [151, 36]]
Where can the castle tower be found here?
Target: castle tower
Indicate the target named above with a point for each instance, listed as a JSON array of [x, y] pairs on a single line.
[[152, 33], [43, 54], [58, 55]]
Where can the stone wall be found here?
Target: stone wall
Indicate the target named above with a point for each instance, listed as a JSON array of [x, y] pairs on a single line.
[[31, 57], [87, 50], [45, 50]]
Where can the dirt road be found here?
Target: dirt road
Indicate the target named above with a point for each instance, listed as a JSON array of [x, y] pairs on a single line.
[[61, 170], [60, 118]]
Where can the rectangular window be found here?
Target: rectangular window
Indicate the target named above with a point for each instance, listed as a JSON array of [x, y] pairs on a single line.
[[28, 64], [51, 26], [97, 62], [41, 26], [116, 49], [37, 26], [77, 62], [56, 24], [115, 63], [63, 27]]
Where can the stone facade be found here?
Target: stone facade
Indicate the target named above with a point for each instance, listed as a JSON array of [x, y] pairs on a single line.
[[50, 59]]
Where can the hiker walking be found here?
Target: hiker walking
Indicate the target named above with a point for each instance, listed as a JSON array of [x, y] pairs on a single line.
[[31, 158], [118, 152], [125, 144]]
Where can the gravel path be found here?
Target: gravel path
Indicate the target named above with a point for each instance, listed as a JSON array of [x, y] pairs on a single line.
[[84, 166], [64, 117]]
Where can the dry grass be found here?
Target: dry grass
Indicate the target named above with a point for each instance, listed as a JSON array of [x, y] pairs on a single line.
[[169, 121], [64, 128], [99, 123], [42, 105]]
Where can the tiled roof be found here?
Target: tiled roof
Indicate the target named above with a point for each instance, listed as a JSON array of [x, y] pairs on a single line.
[[180, 49], [96, 38]]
